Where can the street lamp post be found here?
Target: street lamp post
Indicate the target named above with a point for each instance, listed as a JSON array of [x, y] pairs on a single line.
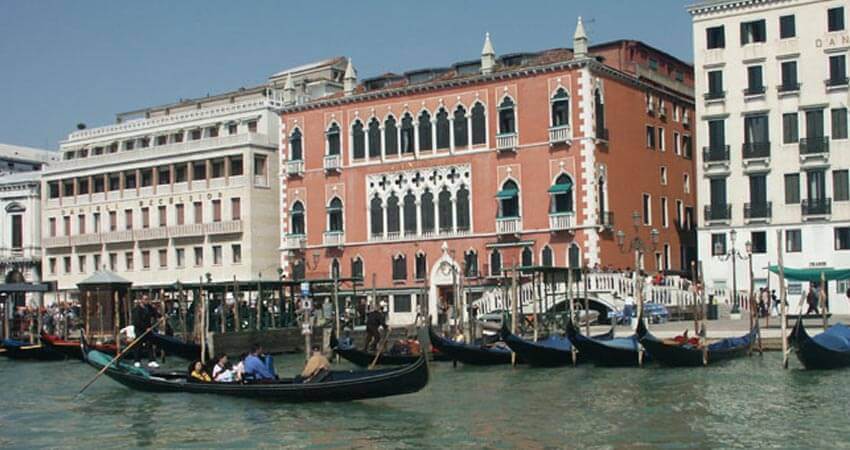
[[734, 255], [639, 247]]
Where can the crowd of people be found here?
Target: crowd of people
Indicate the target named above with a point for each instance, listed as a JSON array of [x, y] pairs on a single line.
[[255, 366]]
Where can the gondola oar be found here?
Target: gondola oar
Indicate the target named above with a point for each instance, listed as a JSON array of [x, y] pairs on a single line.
[[380, 349], [119, 355]]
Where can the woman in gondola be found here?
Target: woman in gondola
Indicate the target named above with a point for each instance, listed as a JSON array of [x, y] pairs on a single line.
[[197, 373], [222, 372]]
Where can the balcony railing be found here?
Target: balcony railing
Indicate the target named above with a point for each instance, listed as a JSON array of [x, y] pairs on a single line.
[[817, 206], [57, 241], [506, 142], [118, 236], [295, 241], [295, 168], [508, 225], [229, 227], [718, 212], [333, 238], [333, 162], [789, 87], [561, 221], [148, 234], [86, 239], [718, 153], [835, 82], [814, 145], [559, 134], [754, 90], [762, 210], [753, 150], [717, 95], [186, 230], [606, 218]]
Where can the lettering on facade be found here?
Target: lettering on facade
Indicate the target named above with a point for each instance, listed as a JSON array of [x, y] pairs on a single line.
[[149, 202], [833, 41]]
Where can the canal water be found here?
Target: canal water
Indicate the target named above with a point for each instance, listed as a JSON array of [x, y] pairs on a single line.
[[746, 403]]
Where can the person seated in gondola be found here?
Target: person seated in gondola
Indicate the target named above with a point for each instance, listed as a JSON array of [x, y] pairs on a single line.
[[239, 368], [255, 367], [317, 367], [197, 373], [222, 371]]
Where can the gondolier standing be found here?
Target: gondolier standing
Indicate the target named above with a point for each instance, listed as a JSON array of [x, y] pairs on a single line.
[[374, 322], [144, 316]]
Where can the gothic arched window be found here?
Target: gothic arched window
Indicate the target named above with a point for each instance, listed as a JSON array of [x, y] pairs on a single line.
[[562, 194], [407, 138], [409, 213], [442, 129], [479, 125], [527, 257], [390, 136], [509, 199], [425, 131], [547, 258], [461, 129], [462, 207], [495, 263], [427, 213], [332, 135], [507, 117], [560, 108], [358, 138], [374, 138], [376, 216], [393, 216], [335, 215], [297, 218], [296, 151], [445, 208]]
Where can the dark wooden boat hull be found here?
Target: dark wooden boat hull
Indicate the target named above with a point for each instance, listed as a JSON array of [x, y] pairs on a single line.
[[36, 352], [539, 355], [71, 349], [338, 386], [469, 354], [814, 356], [680, 356], [364, 359], [599, 353], [173, 346]]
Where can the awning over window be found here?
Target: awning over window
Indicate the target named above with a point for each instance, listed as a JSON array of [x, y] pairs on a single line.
[[813, 274], [561, 188], [507, 193]]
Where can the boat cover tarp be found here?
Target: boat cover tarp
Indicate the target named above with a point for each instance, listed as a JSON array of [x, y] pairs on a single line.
[[836, 337], [556, 342], [729, 343], [812, 274], [13, 343], [625, 343], [102, 359]]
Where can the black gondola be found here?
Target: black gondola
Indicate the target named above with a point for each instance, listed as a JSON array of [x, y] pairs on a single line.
[[15, 349], [477, 355], [827, 350], [334, 386], [70, 348], [614, 352], [173, 346], [550, 352], [675, 355], [363, 358]]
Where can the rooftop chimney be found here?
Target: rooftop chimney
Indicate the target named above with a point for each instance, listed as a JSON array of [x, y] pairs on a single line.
[[488, 56], [580, 40], [288, 91], [349, 79]]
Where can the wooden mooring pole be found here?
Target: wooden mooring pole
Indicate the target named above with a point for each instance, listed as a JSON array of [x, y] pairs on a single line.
[[782, 300]]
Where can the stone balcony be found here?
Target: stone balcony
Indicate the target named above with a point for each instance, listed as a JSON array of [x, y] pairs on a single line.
[[118, 236], [86, 239], [333, 239], [333, 163], [295, 242], [186, 230], [560, 134], [150, 234], [229, 227], [562, 221], [507, 142], [56, 242], [508, 225], [295, 168]]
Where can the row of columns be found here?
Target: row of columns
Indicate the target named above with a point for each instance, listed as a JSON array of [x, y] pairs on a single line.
[[416, 137], [418, 207]]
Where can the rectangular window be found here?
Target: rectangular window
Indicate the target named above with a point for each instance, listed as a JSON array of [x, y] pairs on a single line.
[[180, 212], [146, 217], [216, 255], [236, 166], [113, 221], [753, 32], [52, 226], [216, 206], [842, 238], [199, 256], [147, 177], [199, 170], [128, 261], [260, 165], [840, 187], [128, 219], [650, 137], [235, 208], [130, 179], [664, 217], [647, 209], [163, 258], [146, 259], [236, 250], [180, 257], [758, 240], [715, 84], [199, 212], [793, 241], [661, 144], [163, 216], [789, 76], [835, 19], [81, 263], [67, 263], [837, 70], [17, 232], [232, 128], [790, 128], [792, 188], [194, 135], [715, 37], [113, 262], [114, 181], [402, 303], [163, 175], [66, 225], [686, 183], [839, 123], [716, 134], [52, 264], [181, 173], [96, 222], [252, 126], [718, 244], [81, 223], [677, 143], [755, 80], [217, 168], [787, 27], [663, 176]]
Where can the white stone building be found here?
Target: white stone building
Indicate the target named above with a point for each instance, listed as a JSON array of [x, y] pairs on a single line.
[[772, 98], [173, 192]]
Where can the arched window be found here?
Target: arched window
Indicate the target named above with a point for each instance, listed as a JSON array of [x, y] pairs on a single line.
[[562, 194], [332, 135], [409, 213], [495, 263], [470, 259], [393, 217], [335, 269], [335, 215], [298, 272], [509, 199], [547, 258], [358, 140], [376, 216], [600, 186], [479, 125], [600, 113], [374, 138], [390, 136], [507, 117], [527, 257], [442, 129], [462, 206], [461, 128], [427, 206], [445, 208], [297, 218], [399, 268], [425, 131], [296, 152], [407, 138], [560, 108], [421, 267], [574, 257], [357, 268]]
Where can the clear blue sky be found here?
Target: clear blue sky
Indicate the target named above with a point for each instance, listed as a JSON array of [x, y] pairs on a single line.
[[65, 62]]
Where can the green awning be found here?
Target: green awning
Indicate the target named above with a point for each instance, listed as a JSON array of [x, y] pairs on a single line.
[[561, 188], [507, 193], [813, 274]]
